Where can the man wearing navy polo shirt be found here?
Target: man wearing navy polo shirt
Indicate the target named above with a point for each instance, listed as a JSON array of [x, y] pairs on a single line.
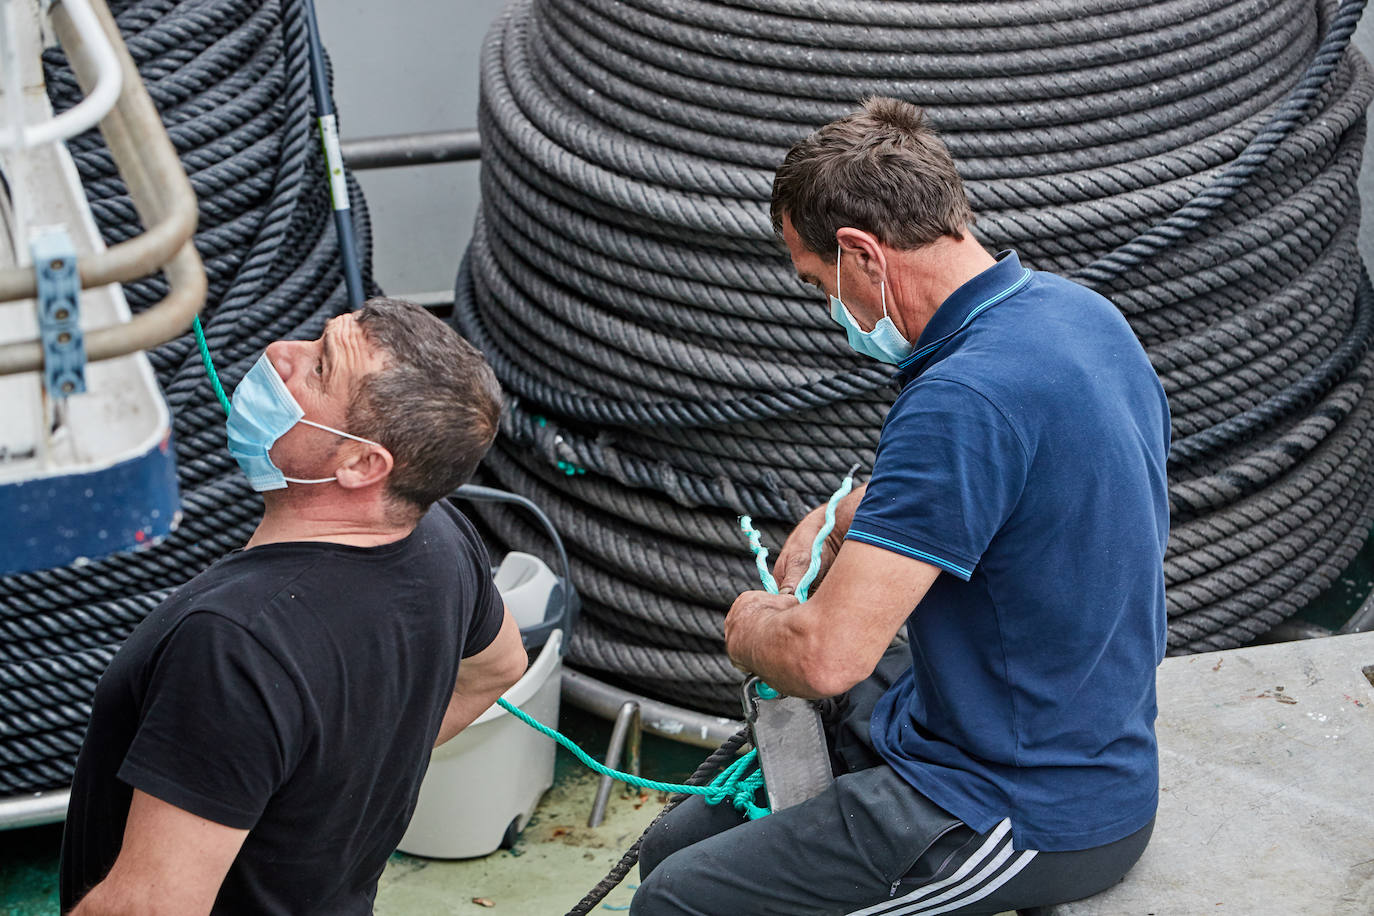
[[1014, 525]]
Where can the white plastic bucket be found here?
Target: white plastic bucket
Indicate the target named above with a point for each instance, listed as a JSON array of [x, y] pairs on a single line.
[[488, 779]]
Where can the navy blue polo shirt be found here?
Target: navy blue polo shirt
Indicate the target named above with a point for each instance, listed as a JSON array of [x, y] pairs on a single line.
[[1025, 457]]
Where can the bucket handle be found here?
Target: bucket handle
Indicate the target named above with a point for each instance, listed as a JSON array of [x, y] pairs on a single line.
[[564, 590]]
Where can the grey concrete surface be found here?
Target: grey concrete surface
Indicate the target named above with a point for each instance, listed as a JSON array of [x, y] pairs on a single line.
[[1264, 808]]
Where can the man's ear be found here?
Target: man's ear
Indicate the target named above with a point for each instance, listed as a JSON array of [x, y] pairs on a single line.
[[866, 251], [369, 465]]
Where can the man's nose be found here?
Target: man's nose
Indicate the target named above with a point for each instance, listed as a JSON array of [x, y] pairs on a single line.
[[285, 356]]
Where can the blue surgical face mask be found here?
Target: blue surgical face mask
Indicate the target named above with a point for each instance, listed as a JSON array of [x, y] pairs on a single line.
[[883, 343], [262, 412]]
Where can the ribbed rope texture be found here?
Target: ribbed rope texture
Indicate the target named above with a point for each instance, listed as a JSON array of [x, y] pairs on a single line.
[[230, 80], [1193, 160]]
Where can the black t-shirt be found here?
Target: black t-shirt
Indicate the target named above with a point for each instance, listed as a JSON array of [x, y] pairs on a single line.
[[293, 690]]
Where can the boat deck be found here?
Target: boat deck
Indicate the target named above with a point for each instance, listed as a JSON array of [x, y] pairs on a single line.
[[557, 859]]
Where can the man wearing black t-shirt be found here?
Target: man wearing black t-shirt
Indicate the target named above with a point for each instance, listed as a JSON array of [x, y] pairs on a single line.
[[258, 742]]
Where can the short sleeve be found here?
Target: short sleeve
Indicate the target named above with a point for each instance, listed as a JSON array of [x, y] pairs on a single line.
[[948, 472], [221, 726], [489, 609]]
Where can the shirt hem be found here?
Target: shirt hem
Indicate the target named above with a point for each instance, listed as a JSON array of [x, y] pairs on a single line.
[[982, 821]]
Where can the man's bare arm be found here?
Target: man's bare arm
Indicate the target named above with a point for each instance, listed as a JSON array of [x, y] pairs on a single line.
[[171, 862], [482, 678]]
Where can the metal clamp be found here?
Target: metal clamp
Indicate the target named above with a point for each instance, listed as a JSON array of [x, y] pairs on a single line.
[[59, 312], [793, 752]]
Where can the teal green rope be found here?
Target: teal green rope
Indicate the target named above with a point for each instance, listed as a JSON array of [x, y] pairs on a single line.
[[819, 543], [210, 365], [735, 784], [770, 584], [746, 524]]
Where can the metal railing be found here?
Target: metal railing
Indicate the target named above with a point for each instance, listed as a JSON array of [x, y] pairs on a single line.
[[161, 195], [88, 112]]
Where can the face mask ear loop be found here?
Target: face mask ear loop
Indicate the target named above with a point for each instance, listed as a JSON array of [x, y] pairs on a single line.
[[882, 290], [339, 432], [838, 252]]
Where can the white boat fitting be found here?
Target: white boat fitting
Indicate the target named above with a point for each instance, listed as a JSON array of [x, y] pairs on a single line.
[[86, 463]]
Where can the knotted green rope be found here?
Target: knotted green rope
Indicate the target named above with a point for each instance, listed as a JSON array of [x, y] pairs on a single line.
[[740, 781], [818, 544], [746, 525], [813, 569], [735, 784]]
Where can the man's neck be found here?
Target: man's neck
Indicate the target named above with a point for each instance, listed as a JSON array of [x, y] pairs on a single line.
[[330, 521], [925, 277]]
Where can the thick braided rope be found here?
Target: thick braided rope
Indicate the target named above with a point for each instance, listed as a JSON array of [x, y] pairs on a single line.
[[1195, 160]]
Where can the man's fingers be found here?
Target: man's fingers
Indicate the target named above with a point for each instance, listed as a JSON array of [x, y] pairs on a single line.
[[790, 569]]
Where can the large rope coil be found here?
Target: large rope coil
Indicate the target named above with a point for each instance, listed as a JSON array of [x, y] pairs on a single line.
[[1194, 160], [231, 81]]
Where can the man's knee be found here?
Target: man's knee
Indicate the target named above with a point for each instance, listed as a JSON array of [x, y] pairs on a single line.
[[665, 888], [656, 846], [688, 823]]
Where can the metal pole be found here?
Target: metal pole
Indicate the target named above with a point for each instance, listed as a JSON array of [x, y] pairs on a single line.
[[400, 150], [333, 158], [685, 725]]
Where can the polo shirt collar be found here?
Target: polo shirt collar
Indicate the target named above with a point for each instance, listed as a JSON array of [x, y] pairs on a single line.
[[1000, 281]]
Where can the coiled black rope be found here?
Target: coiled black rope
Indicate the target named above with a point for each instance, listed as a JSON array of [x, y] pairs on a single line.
[[231, 81], [1194, 160]]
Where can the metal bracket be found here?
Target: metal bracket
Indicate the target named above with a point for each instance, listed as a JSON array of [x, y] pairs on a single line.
[[793, 752], [59, 312], [625, 736]]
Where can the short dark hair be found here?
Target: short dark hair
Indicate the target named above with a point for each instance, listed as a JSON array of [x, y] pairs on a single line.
[[881, 169], [436, 404]]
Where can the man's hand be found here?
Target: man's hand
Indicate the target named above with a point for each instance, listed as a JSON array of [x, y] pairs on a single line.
[[749, 617], [794, 557], [828, 644], [171, 861]]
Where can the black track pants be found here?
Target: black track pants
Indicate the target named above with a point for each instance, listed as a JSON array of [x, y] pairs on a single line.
[[870, 844]]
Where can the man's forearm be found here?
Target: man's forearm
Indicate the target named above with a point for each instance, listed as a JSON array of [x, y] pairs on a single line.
[[97, 902], [105, 900], [482, 678]]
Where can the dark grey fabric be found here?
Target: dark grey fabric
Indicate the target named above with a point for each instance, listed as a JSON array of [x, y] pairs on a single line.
[[870, 844]]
